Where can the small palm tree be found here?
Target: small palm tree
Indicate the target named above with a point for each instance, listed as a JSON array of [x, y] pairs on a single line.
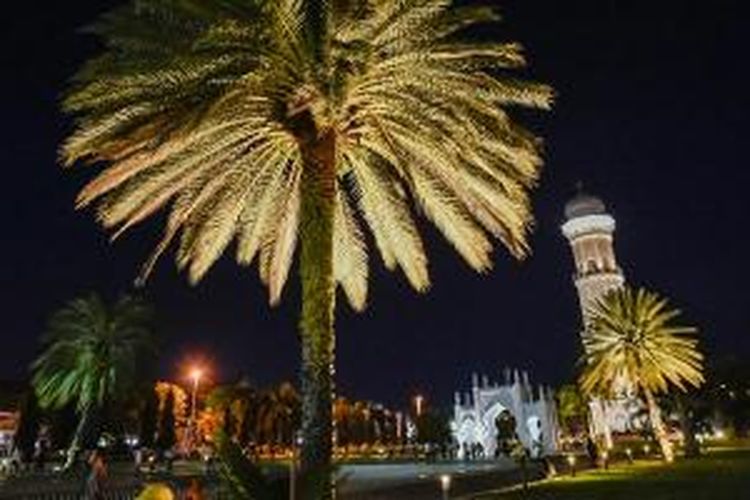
[[91, 357], [573, 408], [630, 337], [269, 122], [238, 402], [278, 415]]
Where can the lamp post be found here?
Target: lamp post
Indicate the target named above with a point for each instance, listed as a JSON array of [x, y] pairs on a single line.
[[296, 446], [195, 376], [418, 401]]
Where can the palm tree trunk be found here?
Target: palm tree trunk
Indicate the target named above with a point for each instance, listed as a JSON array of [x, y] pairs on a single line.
[[318, 304], [658, 426], [692, 448], [78, 438]]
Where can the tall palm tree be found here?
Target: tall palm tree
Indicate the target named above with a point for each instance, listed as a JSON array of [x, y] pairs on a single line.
[[631, 337], [266, 122], [92, 352]]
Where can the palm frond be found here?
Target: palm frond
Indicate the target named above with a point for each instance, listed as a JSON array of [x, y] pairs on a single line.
[[193, 107], [630, 337]]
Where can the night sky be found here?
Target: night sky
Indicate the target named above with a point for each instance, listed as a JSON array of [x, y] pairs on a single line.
[[651, 116]]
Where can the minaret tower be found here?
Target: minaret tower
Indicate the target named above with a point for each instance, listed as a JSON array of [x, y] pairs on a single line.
[[590, 232]]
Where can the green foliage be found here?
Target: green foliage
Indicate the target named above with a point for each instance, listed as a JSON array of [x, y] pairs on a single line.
[[91, 357], [572, 408], [721, 475], [92, 352]]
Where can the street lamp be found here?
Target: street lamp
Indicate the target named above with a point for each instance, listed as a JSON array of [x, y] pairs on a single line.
[[418, 401], [195, 376]]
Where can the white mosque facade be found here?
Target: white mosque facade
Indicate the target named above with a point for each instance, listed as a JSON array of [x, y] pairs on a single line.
[[476, 412]]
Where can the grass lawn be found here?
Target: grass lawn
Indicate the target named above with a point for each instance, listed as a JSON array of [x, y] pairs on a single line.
[[722, 474]]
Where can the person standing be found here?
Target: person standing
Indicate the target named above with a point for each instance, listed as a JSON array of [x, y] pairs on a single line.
[[138, 459], [97, 476], [194, 492]]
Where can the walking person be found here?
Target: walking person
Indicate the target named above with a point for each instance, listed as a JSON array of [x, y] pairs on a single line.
[[97, 477], [195, 491]]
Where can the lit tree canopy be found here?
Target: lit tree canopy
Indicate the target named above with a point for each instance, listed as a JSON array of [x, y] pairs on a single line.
[[264, 123], [202, 108], [631, 336]]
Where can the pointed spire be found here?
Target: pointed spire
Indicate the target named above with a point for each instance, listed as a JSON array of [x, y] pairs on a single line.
[[474, 380]]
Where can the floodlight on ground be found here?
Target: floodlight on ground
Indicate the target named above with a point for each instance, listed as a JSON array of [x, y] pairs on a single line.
[[445, 485]]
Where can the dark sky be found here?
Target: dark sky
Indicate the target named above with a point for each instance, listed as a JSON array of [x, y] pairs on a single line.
[[651, 116]]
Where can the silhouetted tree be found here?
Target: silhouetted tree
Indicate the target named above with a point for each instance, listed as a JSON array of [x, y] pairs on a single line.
[[148, 419], [573, 409], [167, 437], [28, 426], [433, 428]]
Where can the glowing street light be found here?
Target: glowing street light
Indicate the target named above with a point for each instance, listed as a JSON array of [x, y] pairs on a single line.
[[572, 464], [196, 373], [195, 376], [629, 453], [646, 449], [418, 401], [445, 485]]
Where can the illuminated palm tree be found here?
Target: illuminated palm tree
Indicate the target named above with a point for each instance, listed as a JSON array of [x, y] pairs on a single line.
[[631, 338], [91, 358], [267, 122]]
